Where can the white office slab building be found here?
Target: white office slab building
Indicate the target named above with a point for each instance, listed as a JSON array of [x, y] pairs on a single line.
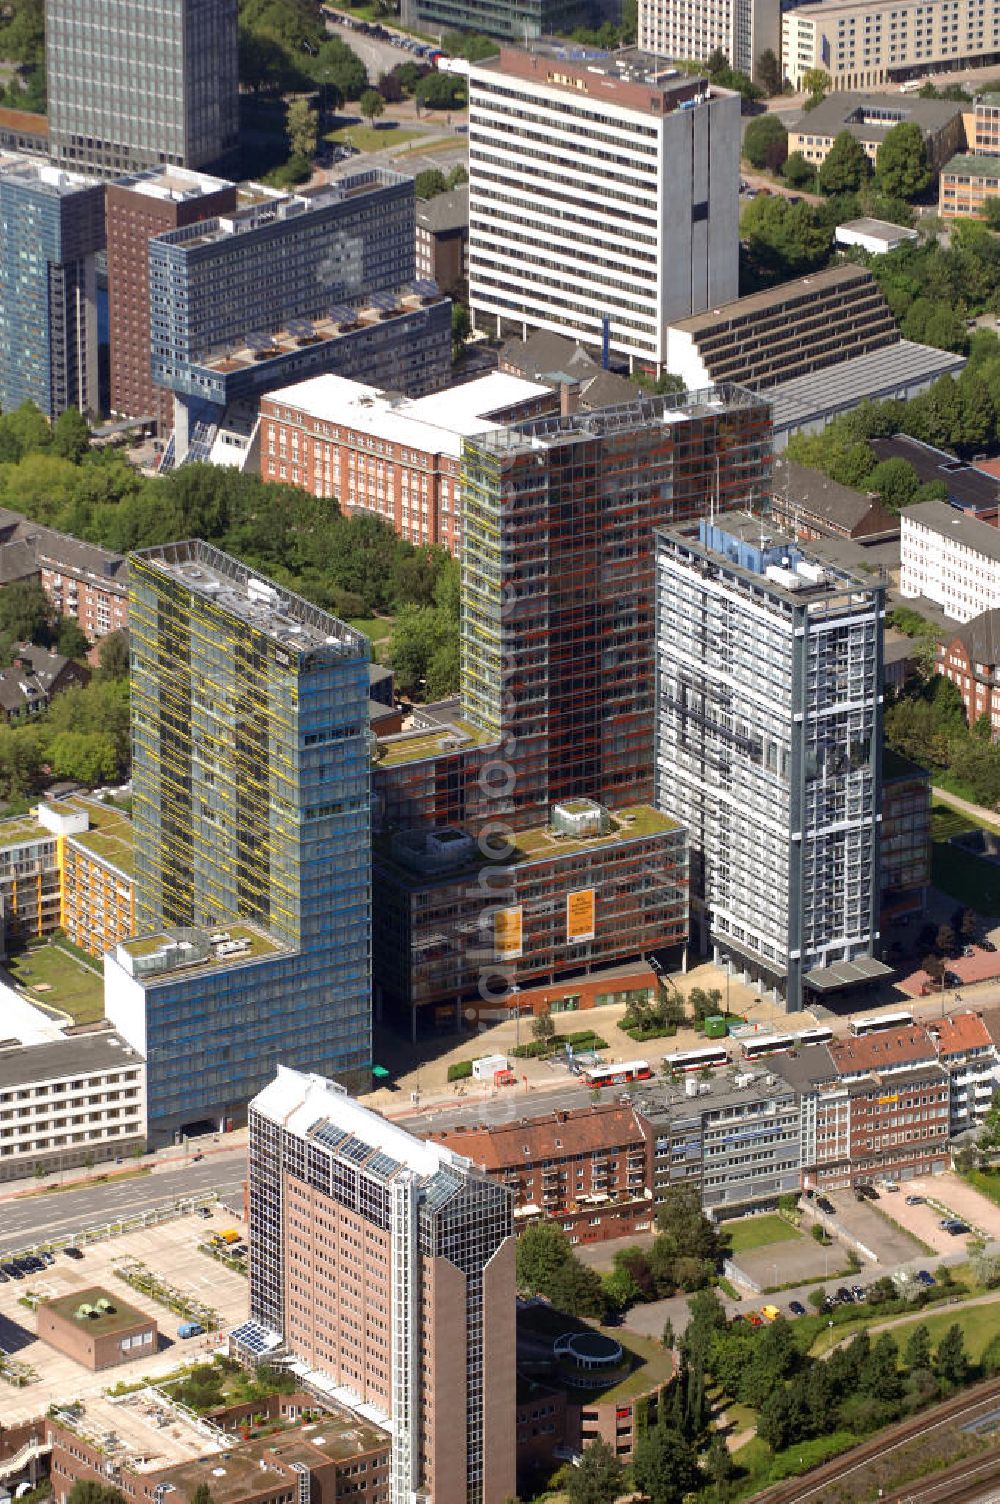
[[742, 29], [768, 746], [603, 198]]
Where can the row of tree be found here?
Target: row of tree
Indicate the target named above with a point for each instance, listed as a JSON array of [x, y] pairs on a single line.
[[927, 723], [959, 414], [901, 170], [685, 1255], [354, 566]]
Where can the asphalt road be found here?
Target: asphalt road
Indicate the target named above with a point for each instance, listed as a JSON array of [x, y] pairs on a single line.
[[66, 1213]]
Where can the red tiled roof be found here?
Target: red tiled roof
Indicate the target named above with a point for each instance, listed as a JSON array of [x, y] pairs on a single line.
[[891, 1047], [25, 121], [962, 1031], [551, 1137]]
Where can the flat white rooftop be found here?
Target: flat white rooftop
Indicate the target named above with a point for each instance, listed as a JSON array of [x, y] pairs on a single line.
[[435, 424]]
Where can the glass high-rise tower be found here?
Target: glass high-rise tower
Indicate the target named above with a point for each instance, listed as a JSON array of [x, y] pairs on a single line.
[[140, 83], [251, 815]]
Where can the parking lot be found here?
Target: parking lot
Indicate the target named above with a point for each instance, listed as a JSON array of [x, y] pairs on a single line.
[[948, 1195], [169, 1250]]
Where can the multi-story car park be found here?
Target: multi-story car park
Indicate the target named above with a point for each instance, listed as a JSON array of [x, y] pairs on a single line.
[[768, 737], [603, 198], [68, 1102]]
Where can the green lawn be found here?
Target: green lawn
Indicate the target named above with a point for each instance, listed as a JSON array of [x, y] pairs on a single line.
[[961, 874], [980, 1324], [376, 628], [373, 137], [986, 1181], [757, 1232], [70, 986]]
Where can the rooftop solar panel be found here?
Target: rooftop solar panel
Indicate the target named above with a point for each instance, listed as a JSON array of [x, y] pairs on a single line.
[[386, 301], [384, 1165], [343, 313], [426, 287], [300, 328], [354, 1150]]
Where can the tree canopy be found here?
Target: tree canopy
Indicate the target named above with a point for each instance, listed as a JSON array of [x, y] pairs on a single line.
[[846, 166], [901, 165], [765, 142]]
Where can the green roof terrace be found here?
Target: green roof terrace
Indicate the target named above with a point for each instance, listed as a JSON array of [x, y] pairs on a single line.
[[539, 843], [121, 1317], [411, 746], [169, 951]]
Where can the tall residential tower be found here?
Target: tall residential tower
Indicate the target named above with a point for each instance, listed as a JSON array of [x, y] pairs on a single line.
[[768, 748], [139, 83], [251, 813], [382, 1267]]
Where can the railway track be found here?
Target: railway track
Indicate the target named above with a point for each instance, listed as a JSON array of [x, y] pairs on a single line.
[[811, 1487]]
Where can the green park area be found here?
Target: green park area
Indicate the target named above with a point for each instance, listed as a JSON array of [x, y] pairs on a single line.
[[965, 877], [381, 137], [54, 979], [758, 1232]]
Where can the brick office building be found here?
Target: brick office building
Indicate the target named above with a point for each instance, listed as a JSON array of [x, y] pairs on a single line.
[[308, 1452], [139, 207], [971, 660], [398, 457], [872, 1107], [383, 1267], [587, 1168]]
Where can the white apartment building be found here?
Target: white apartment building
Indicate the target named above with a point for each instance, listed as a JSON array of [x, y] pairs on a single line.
[[603, 198], [865, 43], [66, 1099], [951, 558], [966, 1050], [742, 29], [768, 745]]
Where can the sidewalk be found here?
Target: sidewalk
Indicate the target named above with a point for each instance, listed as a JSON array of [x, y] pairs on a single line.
[[976, 811]]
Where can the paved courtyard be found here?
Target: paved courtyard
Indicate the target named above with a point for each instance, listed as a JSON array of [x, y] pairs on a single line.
[[169, 1250]]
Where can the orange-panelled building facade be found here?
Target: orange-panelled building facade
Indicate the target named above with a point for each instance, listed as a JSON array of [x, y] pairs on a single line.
[[68, 866]]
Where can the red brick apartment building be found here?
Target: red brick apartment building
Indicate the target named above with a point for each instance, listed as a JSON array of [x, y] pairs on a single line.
[[139, 207], [383, 1265], [81, 580], [587, 1169], [398, 457], [971, 660], [873, 1107]]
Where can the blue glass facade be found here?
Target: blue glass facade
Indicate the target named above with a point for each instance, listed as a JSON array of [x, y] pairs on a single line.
[[252, 838], [51, 226]]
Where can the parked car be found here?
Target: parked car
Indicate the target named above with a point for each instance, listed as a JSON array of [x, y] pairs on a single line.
[[926, 1278], [825, 1204], [956, 1229], [796, 1308], [844, 1296], [73, 1253], [754, 1319], [12, 1271], [859, 1292], [770, 1313], [204, 1211], [970, 950], [3, 1277], [47, 1258], [916, 1200], [892, 1188], [952, 979], [987, 945], [190, 1329]]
